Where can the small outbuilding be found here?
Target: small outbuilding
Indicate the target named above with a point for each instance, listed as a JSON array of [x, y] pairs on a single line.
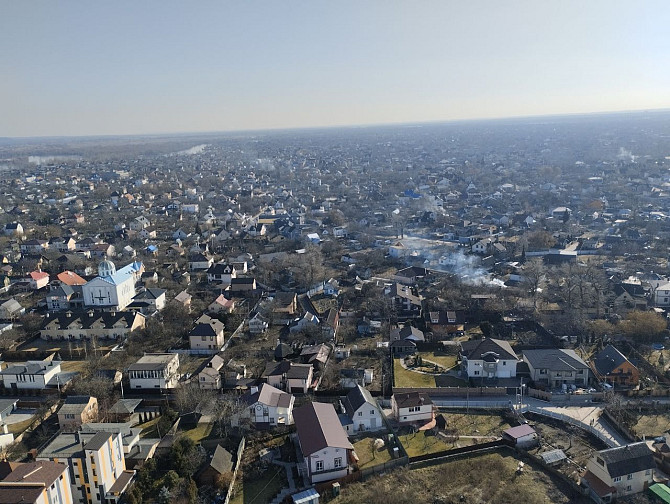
[[522, 436]]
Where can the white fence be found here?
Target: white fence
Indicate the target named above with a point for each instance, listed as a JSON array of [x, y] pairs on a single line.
[[571, 420]]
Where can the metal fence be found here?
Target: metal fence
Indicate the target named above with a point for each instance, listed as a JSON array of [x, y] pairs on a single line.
[[572, 421]]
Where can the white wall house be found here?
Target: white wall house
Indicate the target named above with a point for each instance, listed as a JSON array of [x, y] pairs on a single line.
[[619, 472], [412, 407], [155, 371], [323, 442], [207, 335], [269, 406], [31, 375], [362, 411], [488, 358]]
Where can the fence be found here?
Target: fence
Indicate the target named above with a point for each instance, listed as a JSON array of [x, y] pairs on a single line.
[[454, 391], [572, 421], [563, 398], [231, 487], [438, 456]]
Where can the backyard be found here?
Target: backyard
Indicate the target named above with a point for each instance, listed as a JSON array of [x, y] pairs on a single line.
[[367, 455], [260, 490], [652, 424], [406, 378], [479, 479]]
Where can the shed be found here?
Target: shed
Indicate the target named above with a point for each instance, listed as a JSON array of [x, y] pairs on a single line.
[[522, 436], [553, 457], [309, 496]]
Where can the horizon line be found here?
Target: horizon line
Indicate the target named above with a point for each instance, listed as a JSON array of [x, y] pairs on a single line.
[[336, 126]]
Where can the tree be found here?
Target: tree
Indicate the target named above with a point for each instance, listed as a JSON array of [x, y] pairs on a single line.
[[644, 326], [566, 216]]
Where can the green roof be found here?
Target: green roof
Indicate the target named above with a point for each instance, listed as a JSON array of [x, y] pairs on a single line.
[[661, 491]]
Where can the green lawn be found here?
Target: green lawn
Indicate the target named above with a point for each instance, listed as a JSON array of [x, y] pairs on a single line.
[[475, 424], [422, 444], [200, 432], [260, 490], [444, 360], [405, 378], [366, 457], [19, 427], [149, 428]]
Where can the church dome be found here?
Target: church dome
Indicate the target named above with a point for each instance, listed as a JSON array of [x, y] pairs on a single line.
[[106, 268]]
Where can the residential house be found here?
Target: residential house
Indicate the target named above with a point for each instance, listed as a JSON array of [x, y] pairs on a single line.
[[37, 482], [619, 472], [412, 407], [322, 441], [149, 300], [362, 412], [11, 309], [209, 374], [406, 301], [200, 261], [402, 347], [257, 324], [221, 273], [488, 358], [13, 229], [316, 355], [611, 366], [31, 375], [65, 297], [410, 275], [407, 333], [183, 299], [91, 324], [268, 406], [221, 305], [353, 377], [77, 410], [555, 367], [38, 279], [445, 322], [207, 335], [286, 375], [155, 371]]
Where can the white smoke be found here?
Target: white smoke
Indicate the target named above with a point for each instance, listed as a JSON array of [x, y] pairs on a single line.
[[198, 149], [448, 258], [625, 155]]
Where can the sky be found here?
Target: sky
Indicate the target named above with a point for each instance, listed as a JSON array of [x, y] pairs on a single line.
[[138, 67]]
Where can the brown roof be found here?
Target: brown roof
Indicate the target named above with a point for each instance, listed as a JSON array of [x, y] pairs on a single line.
[[598, 485], [319, 427], [410, 399], [26, 482]]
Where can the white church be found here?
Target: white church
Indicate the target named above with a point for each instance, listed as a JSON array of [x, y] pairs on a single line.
[[112, 289]]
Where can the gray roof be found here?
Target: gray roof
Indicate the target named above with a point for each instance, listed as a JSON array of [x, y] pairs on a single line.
[[270, 396], [125, 406], [555, 359], [628, 459], [97, 441], [222, 461], [357, 398], [476, 349], [608, 359]]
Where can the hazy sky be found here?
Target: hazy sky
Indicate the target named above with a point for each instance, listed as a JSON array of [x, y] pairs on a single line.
[[125, 67]]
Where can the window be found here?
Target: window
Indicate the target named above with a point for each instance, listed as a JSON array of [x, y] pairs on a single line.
[[629, 488], [616, 479], [504, 363], [476, 373], [338, 462], [372, 412], [581, 371], [319, 465], [630, 477], [600, 461]]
